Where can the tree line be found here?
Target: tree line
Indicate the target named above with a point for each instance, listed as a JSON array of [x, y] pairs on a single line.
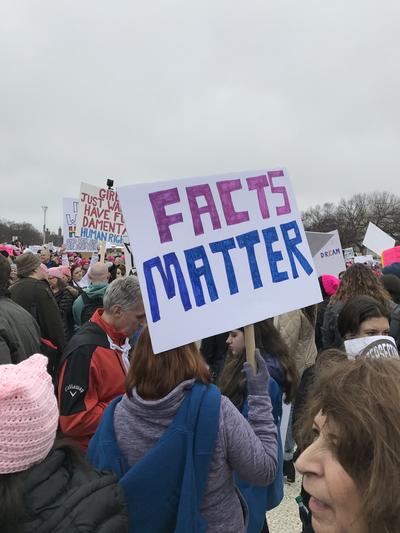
[[25, 233], [351, 217]]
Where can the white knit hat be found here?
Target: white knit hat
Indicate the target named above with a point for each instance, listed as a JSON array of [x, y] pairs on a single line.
[[28, 414]]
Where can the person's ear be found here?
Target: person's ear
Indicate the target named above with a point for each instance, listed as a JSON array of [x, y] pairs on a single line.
[[117, 311]]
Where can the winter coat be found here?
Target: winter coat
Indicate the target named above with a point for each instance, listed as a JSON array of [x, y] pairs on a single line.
[[65, 497], [262, 499], [19, 331], [95, 290], [248, 447], [319, 323], [36, 297], [298, 332], [65, 299], [213, 349], [395, 325], [330, 334], [91, 375]]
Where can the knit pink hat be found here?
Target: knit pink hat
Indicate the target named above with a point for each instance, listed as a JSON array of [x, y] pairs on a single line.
[[330, 284], [65, 270], [28, 414], [55, 272]]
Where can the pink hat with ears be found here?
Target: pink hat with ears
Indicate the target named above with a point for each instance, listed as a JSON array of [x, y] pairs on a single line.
[[28, 414], [110, 258]]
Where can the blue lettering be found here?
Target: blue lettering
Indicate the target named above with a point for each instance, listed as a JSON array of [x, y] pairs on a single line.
[[170, 261], [196, 272], [292, 250], [270, 236], [248, 241], [223, 247]]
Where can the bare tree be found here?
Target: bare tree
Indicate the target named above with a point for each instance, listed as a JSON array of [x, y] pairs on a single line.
[[351, 217]]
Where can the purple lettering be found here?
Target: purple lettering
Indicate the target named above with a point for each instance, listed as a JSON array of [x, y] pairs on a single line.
[[225, 189], [158, 201], [192, 194], [259, 183], [285, 208]]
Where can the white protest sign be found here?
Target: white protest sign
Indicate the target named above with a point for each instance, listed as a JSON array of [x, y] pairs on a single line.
[[348, 254], [216, 253], [329, 259], [364, 259], [316, 240], [71, 242], [99, 215], [70, 212], [377, 240], [80, 244]]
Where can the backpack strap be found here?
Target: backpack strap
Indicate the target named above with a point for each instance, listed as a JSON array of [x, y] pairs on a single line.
[[85, 298], [199, 414], [206, 437]]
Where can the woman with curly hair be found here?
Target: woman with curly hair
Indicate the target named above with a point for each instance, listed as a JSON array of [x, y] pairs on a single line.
[[350, 435], [358, 280]]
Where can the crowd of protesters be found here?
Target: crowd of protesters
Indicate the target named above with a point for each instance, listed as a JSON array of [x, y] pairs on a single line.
[[99, 434]]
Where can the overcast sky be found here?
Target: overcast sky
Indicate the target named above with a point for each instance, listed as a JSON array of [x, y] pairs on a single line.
[[146, 91]]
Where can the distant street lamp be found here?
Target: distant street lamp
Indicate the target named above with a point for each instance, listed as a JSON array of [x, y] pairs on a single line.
[[44, 207]]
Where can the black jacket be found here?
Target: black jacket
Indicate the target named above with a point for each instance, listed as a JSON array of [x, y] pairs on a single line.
[[62, 497], [19, 331], [65, 299], [36, 297]]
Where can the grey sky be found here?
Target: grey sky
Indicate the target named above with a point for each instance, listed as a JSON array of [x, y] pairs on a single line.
[[166, 89]]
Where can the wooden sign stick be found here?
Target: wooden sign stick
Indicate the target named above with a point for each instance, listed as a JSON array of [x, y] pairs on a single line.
[[102, 251], [250, 346]]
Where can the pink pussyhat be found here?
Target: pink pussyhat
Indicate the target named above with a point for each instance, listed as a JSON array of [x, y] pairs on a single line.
[[55, 272], [330, 284], [28, 414]]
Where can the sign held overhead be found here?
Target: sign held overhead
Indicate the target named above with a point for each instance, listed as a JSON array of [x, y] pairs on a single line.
[[216, 253], [377, 240], [99, 215]]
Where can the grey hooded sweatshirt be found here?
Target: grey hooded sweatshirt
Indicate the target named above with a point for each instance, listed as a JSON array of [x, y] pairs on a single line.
[[246, 447]]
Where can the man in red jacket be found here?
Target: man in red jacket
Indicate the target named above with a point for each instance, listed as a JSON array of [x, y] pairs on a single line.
[[96, 360]]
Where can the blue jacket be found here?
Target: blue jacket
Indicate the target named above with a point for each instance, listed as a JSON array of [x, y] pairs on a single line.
[[165, 488], [262, 499]]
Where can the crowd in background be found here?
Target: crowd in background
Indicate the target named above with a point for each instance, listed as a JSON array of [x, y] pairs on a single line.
[[99, 434]]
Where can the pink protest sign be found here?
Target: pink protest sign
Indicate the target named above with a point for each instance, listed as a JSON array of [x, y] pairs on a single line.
[[392, 255]]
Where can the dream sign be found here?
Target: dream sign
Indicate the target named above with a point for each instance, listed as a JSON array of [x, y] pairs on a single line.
[[216, 253]]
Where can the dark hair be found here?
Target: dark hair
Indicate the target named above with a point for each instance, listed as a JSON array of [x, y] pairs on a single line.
[[14, 512], [392, 285], [122, 268], [232, 381], [356, 311], [361, 398], [5, 270], [156, 375]]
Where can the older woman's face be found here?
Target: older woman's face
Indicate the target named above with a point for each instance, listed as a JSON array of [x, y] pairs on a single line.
[[335, 501]]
